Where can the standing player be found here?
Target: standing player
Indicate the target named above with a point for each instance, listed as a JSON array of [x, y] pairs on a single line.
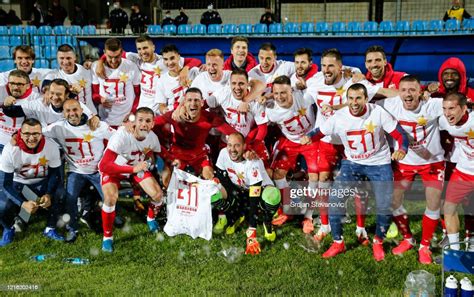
[[83, 149], [77, 76], [362, 127], [425, 157], [459, 123], [452, 78], [117, 94], [293, 113], [247, 186], [24, 58], [125, 157], [305, 69], [34, 163], [240, 56]]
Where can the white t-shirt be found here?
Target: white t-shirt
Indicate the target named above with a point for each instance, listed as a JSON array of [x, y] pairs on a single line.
[[30, 168], [421, 126], [189, 205], [280, 68], [294, 122], [81, 77], [131, 151], [170, 90], [332, 95], [245, 173], [45, 113], [37, 75], [464, 139], [207, 86], [363, 136], [119, 88], [82, 146], [9, 125], [242, 122]]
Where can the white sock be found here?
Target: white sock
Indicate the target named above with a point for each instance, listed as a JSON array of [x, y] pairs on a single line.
[[47, 229], [454, 238], [106, 238]]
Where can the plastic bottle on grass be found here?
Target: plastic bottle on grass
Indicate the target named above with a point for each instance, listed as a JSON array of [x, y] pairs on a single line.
[[420, 283], [77, 261], [451, 287], [466, 288], [41, 257]]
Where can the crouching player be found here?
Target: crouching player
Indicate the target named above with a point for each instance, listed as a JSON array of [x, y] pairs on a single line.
[[248, 187], [34, 163], [127, 156]]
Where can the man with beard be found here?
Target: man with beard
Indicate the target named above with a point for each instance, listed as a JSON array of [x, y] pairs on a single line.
[[425, 157], [240, 56], [361, 128], [305, 69], [83, 149], [452, 78], [127, 156]]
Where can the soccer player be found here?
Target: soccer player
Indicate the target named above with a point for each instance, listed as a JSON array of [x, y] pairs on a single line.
[[305, 69], [34, 163], [452, 78], [459, 123], [361, 127], [240, 56], [18, 89], [83, 149], [425, 157], [171, 90], [127, 156], [247, 186], [188, 135], [76, 75], [294, 115], [24, 58], [117, 94]]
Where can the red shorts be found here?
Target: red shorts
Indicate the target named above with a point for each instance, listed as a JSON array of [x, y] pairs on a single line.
[[328, 156], [459, 187], [197, 159], [432, 175], [134, 179], [286, 154], [259, 148]]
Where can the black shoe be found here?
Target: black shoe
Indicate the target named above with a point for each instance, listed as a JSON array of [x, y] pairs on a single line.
[[71, 236], [87, 219]]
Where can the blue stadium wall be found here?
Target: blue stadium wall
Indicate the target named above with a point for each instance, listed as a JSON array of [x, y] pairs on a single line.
[[419, 55]]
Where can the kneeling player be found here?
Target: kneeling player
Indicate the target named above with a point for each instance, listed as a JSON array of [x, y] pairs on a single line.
[[136, 148], [248, 186]]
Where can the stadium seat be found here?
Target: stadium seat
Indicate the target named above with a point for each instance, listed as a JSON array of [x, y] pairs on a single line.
[[5, 52], [169, 30], [338, 28], [229, 29], [3, 30], [45, 30], [276, 29], [41, 63], [30, 30], [370, 28], [49, 40], [50, 51], [436, 26], [354, 28], [54, 64], [214, 29], [452, 25], [245, 29], [16, 30], [260, 29], [152, 30], [89, 30], [419, 27], [6, 65], [292, 28], [4, 40], [386, 27], [83, 43], [60, 30], [198, 29], [321, 28], [402, 27], [36, 40], [63, 39], [184, 29], [466, 24], [75, 30], [38, 51], [15, 40]]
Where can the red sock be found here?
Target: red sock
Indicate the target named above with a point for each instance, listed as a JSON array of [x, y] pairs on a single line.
[[108, 222], [403, 224], [151, 212], [323, 209], [428, 227], [360, 210]]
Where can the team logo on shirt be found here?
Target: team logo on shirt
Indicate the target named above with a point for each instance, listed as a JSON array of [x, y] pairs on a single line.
[[362, 139], [82, 82], [36, 81], [123, 77], [88, 137]]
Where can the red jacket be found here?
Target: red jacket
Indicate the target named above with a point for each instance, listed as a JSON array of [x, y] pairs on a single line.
[[250, 59], [390, 77], [458, 65]]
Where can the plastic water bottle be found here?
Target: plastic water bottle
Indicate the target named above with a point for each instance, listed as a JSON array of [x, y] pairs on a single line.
[[142, 173], [77, 261], [466, 288], [451, 287], [41, 258]]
